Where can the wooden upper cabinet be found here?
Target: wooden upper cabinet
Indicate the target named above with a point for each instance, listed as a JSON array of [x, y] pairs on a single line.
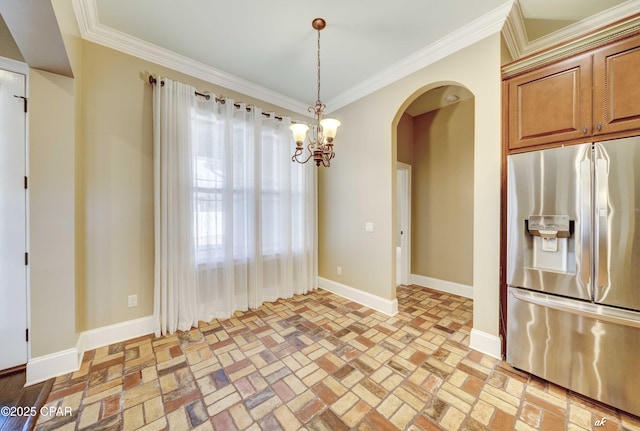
[[616, 87], [552, 104]]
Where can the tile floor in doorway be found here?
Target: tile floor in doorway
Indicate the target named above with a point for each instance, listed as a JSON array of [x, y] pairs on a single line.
[[318, 362]]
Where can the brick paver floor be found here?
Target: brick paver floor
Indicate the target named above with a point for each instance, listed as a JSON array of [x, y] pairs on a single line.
[[318, 362]]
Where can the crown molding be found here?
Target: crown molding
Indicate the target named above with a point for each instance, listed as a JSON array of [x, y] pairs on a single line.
[[514, 31], [591, 40], [519, 46], [471, 33], [90, 28]]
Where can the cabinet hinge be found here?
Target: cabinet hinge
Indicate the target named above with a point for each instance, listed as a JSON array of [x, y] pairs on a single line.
[[27, 335], [26, 182], [26, 258]]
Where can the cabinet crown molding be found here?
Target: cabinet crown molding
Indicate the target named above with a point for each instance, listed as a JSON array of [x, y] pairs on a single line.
[[560, 50]]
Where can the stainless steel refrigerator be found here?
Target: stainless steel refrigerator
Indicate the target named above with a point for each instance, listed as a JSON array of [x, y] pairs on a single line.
[[573, 268]]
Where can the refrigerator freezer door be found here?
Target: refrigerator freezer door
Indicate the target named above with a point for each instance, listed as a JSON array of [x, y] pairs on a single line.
[[617, 223], [588, 348], [550, 185]]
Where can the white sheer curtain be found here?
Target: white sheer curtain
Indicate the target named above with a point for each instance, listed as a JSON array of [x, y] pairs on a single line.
[[175, 280], [235, 218], [256, 210]]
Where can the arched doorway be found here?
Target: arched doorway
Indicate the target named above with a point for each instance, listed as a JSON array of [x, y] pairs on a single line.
[[435, 143]]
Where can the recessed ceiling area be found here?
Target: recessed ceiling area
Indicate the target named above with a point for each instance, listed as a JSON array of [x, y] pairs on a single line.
[[542, 17]]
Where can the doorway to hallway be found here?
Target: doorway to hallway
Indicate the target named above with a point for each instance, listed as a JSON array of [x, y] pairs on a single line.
[[435, 137]]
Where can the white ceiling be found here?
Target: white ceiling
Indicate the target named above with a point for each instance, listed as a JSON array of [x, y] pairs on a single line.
[[272, 44], [268, 48]]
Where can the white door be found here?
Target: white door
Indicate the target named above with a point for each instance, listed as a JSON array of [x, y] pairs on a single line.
[[13, 230], [403, 242]]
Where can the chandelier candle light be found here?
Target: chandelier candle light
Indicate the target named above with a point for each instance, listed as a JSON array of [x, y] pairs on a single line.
[[320, 147]]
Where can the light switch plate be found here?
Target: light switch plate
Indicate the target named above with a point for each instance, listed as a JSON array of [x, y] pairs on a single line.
[[368, 227]]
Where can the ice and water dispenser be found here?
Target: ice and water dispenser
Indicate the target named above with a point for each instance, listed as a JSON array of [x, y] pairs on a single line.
[[550, 234]]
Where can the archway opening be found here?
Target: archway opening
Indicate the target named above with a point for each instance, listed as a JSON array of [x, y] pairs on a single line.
[[434, 214]]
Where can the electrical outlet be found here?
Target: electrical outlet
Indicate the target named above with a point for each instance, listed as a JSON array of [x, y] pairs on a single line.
[[339, 270], [132, 300]]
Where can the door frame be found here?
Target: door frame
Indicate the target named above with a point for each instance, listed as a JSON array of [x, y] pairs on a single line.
[[403, 171], [22, 68]]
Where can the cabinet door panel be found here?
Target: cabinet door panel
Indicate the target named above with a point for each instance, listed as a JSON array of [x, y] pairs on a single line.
[[552, 104], [616, 88]]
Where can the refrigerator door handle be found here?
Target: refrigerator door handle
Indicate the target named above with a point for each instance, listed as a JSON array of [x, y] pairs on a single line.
[[602, 220], [585, 222], [598, 312]]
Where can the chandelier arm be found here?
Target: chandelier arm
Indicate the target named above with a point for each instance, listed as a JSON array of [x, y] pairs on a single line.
[[310, 145], [299, 151]]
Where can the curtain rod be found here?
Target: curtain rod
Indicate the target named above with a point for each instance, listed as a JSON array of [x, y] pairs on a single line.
[[153, 80]]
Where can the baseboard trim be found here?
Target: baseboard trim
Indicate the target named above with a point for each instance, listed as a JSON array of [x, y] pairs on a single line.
[[385, 306], [46, 367], [443, 285], [486, 343], [67, 361], [100, 337]]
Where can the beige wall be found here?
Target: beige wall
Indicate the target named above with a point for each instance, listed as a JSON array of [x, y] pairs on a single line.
[[51, 208], [505, 55], [65, 16], [404, 155], [360, 185], [53, 229], [442, 194], [116, 255], [405, 139]]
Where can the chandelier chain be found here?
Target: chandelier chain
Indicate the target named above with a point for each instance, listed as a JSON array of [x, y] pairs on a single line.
[[318, 100]]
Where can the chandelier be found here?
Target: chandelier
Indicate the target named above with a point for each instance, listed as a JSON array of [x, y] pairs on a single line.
[[320, 145]]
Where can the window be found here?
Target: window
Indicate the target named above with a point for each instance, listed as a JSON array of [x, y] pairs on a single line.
[[233, 192]]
